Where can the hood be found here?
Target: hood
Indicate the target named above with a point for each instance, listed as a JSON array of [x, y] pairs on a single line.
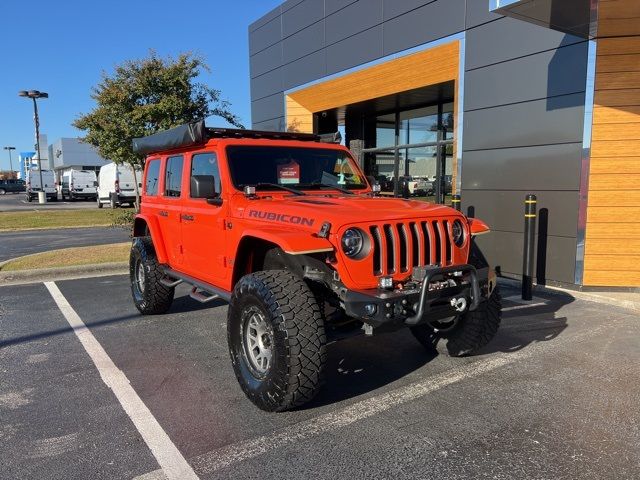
[[311, 211]]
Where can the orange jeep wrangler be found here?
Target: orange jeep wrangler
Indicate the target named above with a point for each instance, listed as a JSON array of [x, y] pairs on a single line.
[[288, 230]]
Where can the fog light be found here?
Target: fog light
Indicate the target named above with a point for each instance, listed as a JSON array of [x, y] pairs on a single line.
[[370, 309], [385, 282]]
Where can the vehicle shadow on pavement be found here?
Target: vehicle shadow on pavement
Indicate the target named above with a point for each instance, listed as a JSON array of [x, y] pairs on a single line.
[[183, 304], [362, 364]]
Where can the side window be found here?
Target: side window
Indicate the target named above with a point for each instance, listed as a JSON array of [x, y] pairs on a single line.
[[153, 177], [206, 164], [173, 177]]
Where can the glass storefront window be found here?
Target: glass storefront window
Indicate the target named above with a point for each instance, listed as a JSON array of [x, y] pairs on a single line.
[[386, 130], [447, 121], [424, 171], [419, 125]]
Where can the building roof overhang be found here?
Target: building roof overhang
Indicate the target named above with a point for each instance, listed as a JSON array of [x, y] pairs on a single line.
[[576, 17]]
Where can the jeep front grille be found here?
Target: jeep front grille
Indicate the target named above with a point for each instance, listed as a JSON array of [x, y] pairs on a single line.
[[398, 247]]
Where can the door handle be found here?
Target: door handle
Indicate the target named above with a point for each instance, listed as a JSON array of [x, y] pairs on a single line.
[[187, 218], [163, 213]]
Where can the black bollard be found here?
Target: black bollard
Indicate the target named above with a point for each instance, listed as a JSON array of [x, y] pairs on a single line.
[[456, 202], [530, 204]]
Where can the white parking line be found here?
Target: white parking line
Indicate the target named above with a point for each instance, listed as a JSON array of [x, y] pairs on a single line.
[[171, 461], [235, 453], [521, 307]]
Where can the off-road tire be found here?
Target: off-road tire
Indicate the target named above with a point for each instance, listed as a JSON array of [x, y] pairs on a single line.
[[295, 374], [153, 297], [473, 331]]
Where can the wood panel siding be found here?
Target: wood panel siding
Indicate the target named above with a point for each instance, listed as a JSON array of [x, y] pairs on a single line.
[[429, 67], [299, 118], [612, 243]]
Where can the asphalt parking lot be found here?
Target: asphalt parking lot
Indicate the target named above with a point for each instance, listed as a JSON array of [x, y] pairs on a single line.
[[26, 242], [12, 202], [555, 395]]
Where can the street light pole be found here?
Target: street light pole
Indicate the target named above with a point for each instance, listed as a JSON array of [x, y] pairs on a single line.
[[37, 120], [10, 160], [34, 95]]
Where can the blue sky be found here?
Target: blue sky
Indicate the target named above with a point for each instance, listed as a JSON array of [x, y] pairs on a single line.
[[65, 45]]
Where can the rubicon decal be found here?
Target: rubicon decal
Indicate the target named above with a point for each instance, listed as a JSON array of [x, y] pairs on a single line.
[[280, 217]]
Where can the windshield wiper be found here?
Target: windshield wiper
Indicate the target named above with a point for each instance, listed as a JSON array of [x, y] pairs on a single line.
[[281, 187], [327, 186]]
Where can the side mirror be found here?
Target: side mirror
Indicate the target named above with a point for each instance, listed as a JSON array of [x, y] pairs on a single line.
[[95, 184], [204, 186]]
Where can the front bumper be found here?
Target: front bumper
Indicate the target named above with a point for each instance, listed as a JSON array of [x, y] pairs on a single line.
[[442, 292], [77, 194]]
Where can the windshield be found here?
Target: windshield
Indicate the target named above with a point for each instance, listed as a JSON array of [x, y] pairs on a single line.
[[300, 168]]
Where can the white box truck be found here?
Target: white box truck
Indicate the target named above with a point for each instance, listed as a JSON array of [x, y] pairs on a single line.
[[117, 186], [78, 184], [34, 186]]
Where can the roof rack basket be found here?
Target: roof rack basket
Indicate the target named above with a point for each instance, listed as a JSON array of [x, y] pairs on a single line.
[[197, 133]]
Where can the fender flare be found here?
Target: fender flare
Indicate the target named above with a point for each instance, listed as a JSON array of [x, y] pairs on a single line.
[[291, 242], [141, 224]]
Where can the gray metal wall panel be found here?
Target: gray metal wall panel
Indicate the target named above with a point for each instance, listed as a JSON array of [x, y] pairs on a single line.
[[332, 6], [304, 70], [546, 74], [353, 19], [504, 250], [358, 49], [394, 8], [274, 125], [266, 60], [265, 36], [301, 16], [508, 38], [267, 108], [303, 42], [478, 13], [266, 84], [431, 22], [265, 19], [541, 122], [551, 167], [289, 4], [503, 210]]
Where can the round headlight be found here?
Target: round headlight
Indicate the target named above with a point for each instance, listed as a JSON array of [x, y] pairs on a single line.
[[352, 242], [457, 230]]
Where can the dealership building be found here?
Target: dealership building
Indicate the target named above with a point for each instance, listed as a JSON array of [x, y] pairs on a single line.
[[493, 99]]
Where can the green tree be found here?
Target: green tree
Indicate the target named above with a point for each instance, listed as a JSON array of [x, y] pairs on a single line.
[[145, 96]]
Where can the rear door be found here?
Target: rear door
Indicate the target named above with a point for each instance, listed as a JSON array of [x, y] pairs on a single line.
[[170, 208], [203, 232]]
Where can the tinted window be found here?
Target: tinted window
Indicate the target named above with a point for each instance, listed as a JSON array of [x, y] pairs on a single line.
[[295, 167], [206, 164], [153, 176], [173, 177]]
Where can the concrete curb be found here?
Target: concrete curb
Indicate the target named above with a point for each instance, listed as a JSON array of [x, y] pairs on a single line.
[[63, 273], [629, 301]]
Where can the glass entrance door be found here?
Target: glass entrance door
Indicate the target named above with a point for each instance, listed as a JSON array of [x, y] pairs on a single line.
[[413, 156]]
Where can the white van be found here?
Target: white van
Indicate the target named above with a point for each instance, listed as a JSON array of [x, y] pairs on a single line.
[[34, 186], [116, 185], [79, 184]]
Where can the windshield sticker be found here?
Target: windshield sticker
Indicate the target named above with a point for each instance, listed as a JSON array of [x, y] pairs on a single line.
[[289, 173]]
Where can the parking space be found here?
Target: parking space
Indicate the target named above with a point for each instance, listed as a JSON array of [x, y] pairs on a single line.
[[553, 396], [26, 242], [17, 202]]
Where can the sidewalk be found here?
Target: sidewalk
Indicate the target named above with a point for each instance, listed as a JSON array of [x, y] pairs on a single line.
[[628, 300]]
